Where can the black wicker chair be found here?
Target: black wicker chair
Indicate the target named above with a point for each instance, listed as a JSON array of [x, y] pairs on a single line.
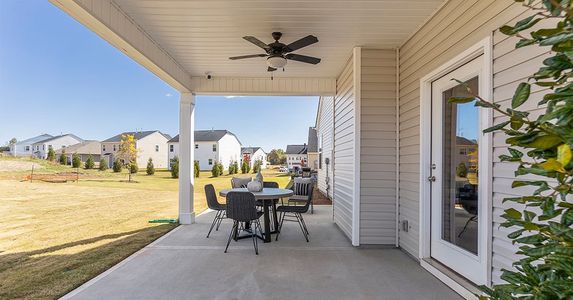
[[295, 214], [241, 208], [302, 194], [213, 204]]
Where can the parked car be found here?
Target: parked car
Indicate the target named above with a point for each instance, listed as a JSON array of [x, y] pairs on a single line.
[[283, 169]]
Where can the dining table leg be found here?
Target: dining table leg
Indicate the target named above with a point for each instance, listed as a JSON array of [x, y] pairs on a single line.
[[275, 217], [267, 234]]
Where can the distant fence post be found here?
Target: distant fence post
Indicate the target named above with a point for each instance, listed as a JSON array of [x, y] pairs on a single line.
[[32, 175]]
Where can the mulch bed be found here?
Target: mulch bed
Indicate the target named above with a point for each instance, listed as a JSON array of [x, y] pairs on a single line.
[[320, 199]]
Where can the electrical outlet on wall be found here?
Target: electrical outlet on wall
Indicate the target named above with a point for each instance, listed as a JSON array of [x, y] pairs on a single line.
[[405, 226]]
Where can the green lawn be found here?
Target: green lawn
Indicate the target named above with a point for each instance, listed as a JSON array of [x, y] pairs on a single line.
[[55, 236]]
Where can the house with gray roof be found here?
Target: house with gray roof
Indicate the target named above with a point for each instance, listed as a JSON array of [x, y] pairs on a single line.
[[83, 149], [40, 148], [211, 146], [24, 148], [312, 149], [252, 154], [297, 156], [149, 144]]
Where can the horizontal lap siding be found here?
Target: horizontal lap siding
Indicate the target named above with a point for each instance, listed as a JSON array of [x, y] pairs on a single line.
[[378, 147], [458, 25], [343, 144], [324, 131], [510, 67]]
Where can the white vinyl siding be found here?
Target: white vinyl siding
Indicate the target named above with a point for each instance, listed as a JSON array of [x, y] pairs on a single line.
[[344, 134], [378, 147], [457, 26], [324, 132], [510, 67]]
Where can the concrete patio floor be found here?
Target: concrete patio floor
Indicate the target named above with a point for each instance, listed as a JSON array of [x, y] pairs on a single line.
[[186, 265]]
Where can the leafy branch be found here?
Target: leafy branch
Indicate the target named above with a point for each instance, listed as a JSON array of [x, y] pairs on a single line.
[[541, 149]]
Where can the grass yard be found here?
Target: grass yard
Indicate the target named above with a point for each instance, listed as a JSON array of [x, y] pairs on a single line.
[[56, 236]]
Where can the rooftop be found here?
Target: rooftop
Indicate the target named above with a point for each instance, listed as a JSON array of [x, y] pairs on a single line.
[[250, 149], [137, 134], [296, 149], [312, 140], [207, 136], [85, 147], [59, 136]]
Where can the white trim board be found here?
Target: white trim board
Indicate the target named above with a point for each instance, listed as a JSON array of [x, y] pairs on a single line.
[[484, 47], [357, 73]]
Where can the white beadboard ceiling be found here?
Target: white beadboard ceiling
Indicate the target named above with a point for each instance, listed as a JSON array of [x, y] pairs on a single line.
[[201, 34]]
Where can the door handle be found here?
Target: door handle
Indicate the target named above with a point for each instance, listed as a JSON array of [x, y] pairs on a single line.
[[432, 178]]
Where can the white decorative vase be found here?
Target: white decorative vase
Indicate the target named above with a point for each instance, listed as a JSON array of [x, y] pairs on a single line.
[[254, 186], [259, 178]]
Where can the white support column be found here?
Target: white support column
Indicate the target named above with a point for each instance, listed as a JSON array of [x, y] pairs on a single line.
[[186, 158]]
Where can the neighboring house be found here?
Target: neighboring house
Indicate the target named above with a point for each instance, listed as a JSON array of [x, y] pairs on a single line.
[[24, 148], [252, 154], [312, 149], [324, 132], [83, 149], [149, 144], [40, 148], [211, 146], [296, 156]]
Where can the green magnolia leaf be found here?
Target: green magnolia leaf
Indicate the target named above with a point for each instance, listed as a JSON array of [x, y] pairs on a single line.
[[496, 127], [521, 95], [545, 142], [461, 100], [513, 213], [552, 165], [556, 39]]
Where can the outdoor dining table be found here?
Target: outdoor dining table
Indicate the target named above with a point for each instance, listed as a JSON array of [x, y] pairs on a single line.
[[267, 195]]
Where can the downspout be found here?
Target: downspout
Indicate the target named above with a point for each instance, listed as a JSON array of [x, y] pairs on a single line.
[[397, 147]]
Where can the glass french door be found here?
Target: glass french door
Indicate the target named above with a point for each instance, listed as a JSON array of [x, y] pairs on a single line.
[[456, 205]]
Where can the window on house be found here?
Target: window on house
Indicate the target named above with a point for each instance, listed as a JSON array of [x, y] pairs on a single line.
[[156, 148], [49, 146], [214, 147], [63, 146], [463, 151], [210, 161], [43, 147], [103, 147], [196, 146], [27, 148], [170, 148], [113, 147]]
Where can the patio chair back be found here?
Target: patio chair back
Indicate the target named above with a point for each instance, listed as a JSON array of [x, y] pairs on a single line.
[[301, 186], [241, 206], [270, 184], [211, 196], [240, 182]]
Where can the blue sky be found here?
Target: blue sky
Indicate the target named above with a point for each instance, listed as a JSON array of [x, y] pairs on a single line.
[[56, 76]]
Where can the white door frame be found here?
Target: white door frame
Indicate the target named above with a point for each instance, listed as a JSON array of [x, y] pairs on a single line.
[[484, 47]]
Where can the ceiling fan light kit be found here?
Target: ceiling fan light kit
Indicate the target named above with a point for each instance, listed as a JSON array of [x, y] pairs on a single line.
[[278, 53], [276, 62]]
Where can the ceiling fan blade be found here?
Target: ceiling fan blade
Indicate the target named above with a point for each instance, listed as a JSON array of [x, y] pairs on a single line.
[[305, 41], [271, 69], [257, 42], [247, 56], [303, 58]]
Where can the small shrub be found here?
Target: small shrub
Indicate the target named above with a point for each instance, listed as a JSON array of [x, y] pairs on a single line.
[[102, 164], [236, 167], [117, 166], [175, 167], [150, 167], [76, 160], [63, 158], [89, 162], [196, 169], [257, 166], [133, 168], [245, 167], [215, 171], [51, 154]]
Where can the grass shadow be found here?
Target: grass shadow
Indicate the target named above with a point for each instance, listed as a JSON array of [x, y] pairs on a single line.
[[39, 274]]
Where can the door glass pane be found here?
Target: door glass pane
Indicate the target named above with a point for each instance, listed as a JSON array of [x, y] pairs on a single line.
[[460, 169]]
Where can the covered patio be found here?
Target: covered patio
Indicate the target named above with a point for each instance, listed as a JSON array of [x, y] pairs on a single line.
[[186, 265]]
